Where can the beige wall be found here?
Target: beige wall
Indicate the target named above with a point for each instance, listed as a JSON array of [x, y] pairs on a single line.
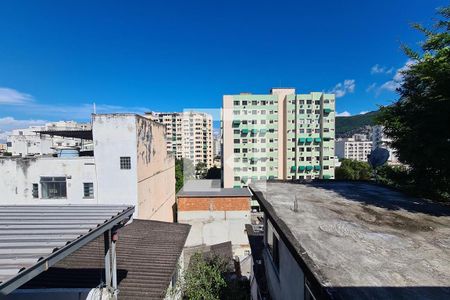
[[155, 172], [227, 155], [281, 94]]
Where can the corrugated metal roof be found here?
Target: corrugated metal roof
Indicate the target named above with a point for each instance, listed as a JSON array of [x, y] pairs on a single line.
[[85, 134], [33, 238]]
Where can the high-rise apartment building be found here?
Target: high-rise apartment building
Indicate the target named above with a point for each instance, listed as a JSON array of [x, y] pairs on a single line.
[[189, 135], [357, 147], [281, 135]]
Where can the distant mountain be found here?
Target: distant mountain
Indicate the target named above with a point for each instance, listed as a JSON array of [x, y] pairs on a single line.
[[347, 126]]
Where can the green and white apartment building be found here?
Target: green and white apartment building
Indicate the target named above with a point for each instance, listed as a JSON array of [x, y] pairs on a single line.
[[282, 135]]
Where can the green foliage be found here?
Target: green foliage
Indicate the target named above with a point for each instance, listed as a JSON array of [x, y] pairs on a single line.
[[200, 170], [214, 173], [7, 154], [419, 123], [184, 170], [346, 126], [203, 279], [353, 170], [396, 176]]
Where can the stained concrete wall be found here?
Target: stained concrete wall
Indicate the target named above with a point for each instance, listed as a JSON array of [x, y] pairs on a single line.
[[19, 174], [114, 137], [216, 220], [155, 172], [149, 184], [31, 143]]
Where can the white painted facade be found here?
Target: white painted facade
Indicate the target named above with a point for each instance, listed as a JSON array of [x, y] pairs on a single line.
[[357, 148], [27, 141], [19, 174], [129, 164]]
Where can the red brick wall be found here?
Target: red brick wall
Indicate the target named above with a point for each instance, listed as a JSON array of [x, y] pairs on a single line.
[[215, 203]]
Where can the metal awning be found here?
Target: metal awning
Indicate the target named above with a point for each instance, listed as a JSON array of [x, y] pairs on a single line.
[[34, 238], [77, 134]]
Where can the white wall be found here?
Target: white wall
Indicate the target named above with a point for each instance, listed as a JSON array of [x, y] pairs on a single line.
[[19, 174], [30, 144], [214, 227], [115, 136], [26, 141]]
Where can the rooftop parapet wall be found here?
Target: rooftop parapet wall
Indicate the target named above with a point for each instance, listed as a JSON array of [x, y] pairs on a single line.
[[361, 240]]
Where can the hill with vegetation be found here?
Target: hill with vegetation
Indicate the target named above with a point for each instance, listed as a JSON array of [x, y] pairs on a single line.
[[347, 126]]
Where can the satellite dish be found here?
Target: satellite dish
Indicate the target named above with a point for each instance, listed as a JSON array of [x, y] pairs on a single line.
[[378, 157]]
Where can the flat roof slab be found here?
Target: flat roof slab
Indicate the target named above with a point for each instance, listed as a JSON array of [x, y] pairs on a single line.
[[363, 240]]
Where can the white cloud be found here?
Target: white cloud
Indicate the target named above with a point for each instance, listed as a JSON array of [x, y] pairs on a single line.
[[377, 69], [393, 84], [344, 114], [13, 97], [342, 88], [80, 112], [7, 124], [371, 87]]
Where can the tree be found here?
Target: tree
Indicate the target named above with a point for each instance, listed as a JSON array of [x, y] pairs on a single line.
[[203, 279], [397, 176], [184, 170], [214, 173], [200, 170], [353, 170], [419, 122]]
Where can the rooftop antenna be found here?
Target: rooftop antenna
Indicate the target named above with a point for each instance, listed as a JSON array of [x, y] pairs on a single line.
[[377, 158]]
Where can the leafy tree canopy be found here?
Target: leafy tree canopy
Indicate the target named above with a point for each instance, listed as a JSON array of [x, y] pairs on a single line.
[[419, 123], [353, 170]]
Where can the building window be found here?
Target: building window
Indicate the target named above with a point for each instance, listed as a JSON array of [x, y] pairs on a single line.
[[35, 191], [88, 190], [53, 187], [125, 162], [273, 244]]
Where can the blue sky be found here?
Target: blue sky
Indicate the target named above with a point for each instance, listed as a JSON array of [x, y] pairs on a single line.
[[58, 57]]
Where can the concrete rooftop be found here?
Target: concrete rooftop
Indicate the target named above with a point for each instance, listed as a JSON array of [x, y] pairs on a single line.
[[210, 188], [364, 241]]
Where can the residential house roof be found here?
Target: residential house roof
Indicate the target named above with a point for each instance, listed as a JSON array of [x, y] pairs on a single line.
[[147, 257]]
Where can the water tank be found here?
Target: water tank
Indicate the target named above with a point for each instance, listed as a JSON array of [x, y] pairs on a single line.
[[68, 153]]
